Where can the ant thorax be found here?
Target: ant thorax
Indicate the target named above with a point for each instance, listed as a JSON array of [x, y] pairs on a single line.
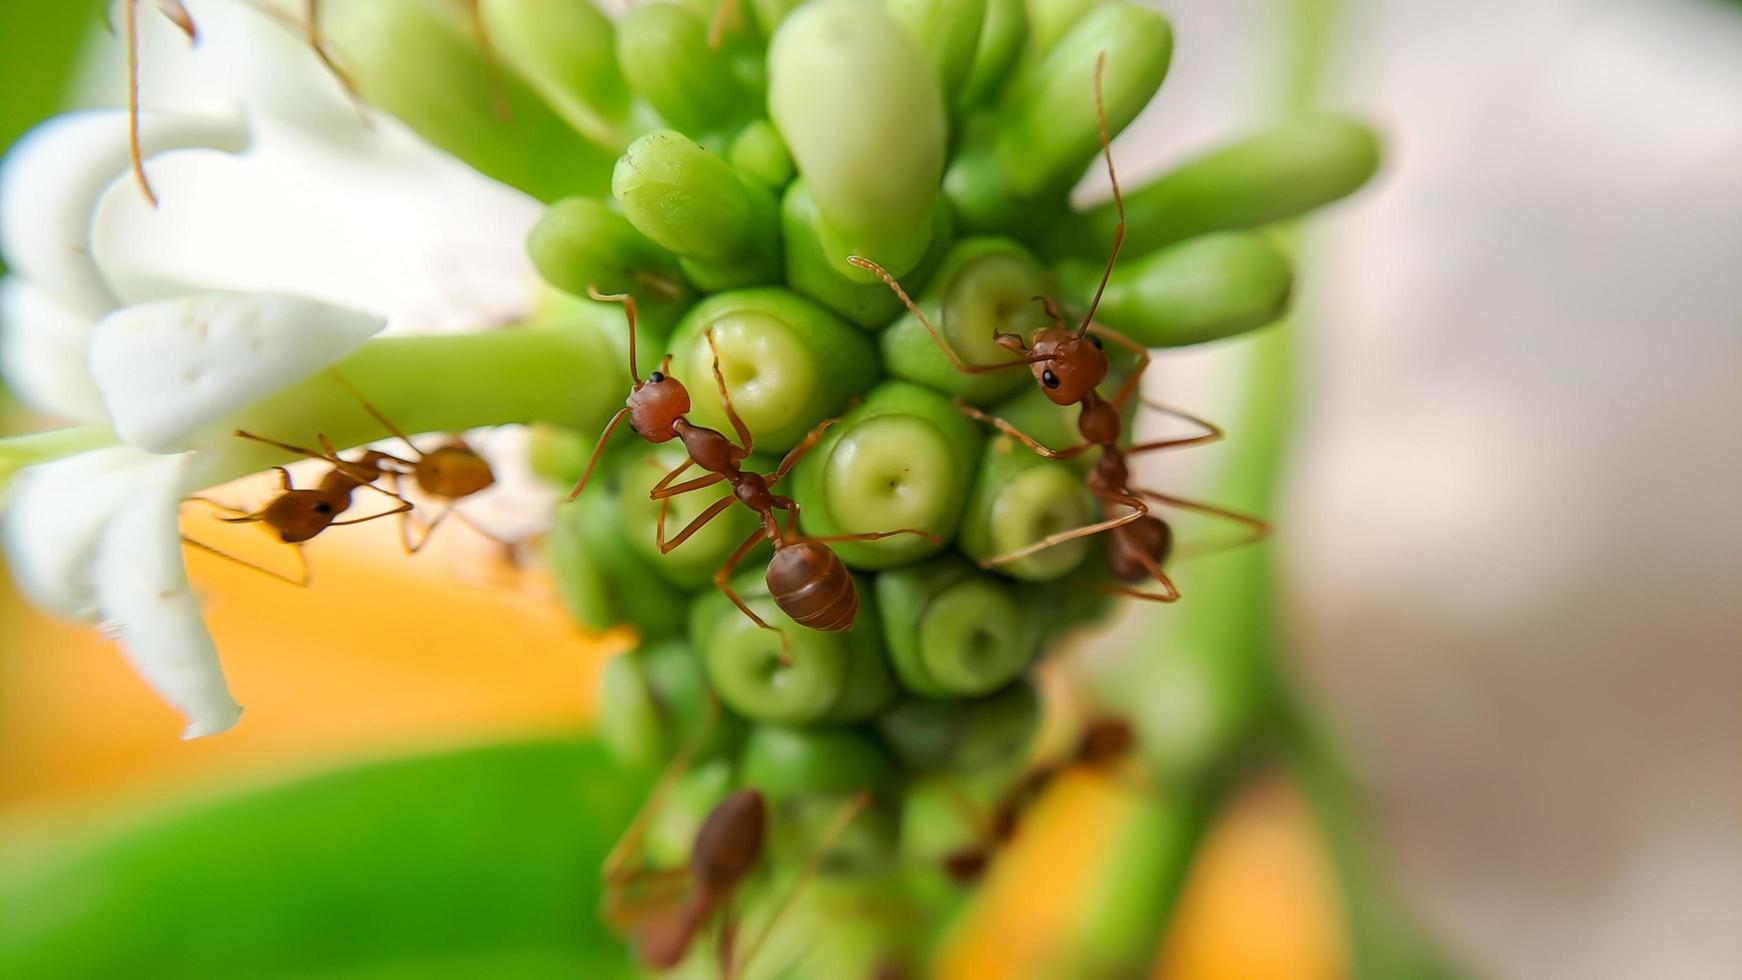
[[711, 450]]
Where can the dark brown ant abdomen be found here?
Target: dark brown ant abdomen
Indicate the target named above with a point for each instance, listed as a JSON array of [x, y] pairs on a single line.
[[1147, 536], [810, 584], [730, 840]]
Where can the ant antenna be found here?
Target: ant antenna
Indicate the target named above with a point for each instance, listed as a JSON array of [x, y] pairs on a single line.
[[924, 321], [727, 10], [628, 302], [1118, 197]]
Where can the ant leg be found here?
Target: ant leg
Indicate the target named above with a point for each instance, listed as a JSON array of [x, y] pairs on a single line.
[[797, 452], [598, 450], [699, 483], [1138, 511], [1132, 380], [311, 34], [1257, 528], [721, 582], [727, 10], [1118, 196], [237, 515], [404, 506], [428, 529], [287, 447], [374, 412], [738, 425], [616, 870], [130, 14], [715, 510], [876, 536], [924, 321], [1171, 593], [1212, 431], [1069, 452], [300, 581], [843, 819]]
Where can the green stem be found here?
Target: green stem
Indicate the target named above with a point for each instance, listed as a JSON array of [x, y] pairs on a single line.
[[446, 383], [17, 452]]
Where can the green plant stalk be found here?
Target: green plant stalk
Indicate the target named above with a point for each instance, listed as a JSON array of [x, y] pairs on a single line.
[[446, 383]]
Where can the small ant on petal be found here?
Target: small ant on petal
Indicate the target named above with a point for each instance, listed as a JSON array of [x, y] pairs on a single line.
[[805, 578], [1069, 366]]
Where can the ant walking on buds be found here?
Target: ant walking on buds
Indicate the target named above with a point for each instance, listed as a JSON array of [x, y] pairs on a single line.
[[805, 578], [1069, 366], [666, 910]]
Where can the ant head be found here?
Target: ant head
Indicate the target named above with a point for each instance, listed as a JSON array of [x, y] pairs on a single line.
[[656, 403], [453, 471], [1066, 366], [730, 841], [298, 515]]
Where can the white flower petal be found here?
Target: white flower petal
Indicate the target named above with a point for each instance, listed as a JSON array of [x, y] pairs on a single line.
[[43, 352], [55, 519], [51, 183], [168, 368], [142, 587]]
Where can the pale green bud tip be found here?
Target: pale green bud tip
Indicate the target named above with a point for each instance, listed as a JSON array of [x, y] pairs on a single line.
[[858, 104], [580, 243], [1199, 290], [684, 197], [665, 55], [565, 51], [948, 31]]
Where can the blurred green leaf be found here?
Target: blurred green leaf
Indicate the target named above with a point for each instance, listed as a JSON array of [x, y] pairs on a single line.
[[478, 863], [39, 48]]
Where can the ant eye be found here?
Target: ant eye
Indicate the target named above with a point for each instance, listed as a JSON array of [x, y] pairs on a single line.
[[1095, 340], [322, 507], [1049, 379], [656, 377]]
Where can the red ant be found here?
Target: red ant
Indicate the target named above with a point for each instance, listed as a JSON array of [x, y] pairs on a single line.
[[1104, 742], [1069, 366], [727, 848], [806, 579], [452, 471]]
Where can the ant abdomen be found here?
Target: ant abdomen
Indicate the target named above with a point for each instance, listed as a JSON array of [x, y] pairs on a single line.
[[810, 584], [1148, 537], [453, 471]]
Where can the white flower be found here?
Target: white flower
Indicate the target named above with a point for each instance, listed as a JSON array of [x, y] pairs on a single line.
[[304, 205]]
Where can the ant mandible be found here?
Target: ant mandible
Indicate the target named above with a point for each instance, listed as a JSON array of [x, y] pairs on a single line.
[[805, 578], [1069, 366]]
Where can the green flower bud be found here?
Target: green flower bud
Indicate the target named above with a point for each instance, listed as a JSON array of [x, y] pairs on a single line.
[[1202, 289], [858, 104], [814, 678], [811, 271], [761, 154], [420, 61], [600, 579], [693, 203], [566, 52], [654, 703], [989, 736], [895, 461], [951, 631], [1046, 132], [770, 13], [672, 827], [788, 363], [949, 33], [1048, 21], [1001, 40], [985, 286], [581, 243], [1272, 176], [692, 564], [1018, 499], [665, 55], [788, 763]]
